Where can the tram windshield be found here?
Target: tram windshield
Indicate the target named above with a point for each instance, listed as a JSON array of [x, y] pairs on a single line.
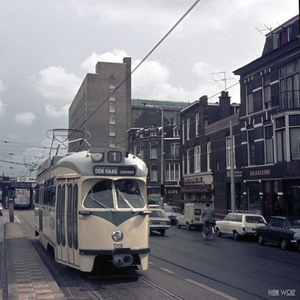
[[110, 194]]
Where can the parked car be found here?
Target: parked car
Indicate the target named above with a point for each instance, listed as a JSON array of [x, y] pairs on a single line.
[[281, 230], [239, 224], [158, 221], [1, 209], [172, 215], [177, 209]]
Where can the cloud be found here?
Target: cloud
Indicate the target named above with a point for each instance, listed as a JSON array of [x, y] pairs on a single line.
[[56, 84], [2, 88], [25, 118], [114, 56], [2, 108], [54, 113]]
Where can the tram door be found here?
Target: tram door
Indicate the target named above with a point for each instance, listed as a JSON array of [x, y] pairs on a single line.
[[72, 222], [62, 254]]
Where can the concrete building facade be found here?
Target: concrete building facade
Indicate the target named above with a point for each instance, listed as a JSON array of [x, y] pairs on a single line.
[[102, 106]]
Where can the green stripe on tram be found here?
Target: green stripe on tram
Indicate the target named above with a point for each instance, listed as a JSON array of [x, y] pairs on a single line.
[[115, 218]]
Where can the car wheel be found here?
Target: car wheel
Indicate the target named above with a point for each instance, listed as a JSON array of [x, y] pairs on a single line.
[[260, 240], [236, 236], [188, 226], [219, 233], [162, 232], [283, 244], [177, 225]]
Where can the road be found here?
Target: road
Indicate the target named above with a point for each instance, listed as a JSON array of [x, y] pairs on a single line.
[[185, 266]]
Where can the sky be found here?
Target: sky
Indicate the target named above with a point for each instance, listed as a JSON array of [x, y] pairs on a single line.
[[48, 46]]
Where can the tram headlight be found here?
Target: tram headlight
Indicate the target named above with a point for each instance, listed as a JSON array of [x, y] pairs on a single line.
[[117, 236], [96, 157]]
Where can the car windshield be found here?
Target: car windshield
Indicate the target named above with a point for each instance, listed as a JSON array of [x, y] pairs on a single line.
[[168, 209], [108, 194], [295, 222], [157, 214]]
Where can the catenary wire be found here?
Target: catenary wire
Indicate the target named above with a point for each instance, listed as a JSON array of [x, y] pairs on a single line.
[[141, 62]]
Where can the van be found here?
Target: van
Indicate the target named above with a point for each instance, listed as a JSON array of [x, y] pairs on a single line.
[[191, 216]]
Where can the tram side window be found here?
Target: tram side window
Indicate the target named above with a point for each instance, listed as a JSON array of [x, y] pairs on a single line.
[[100, 195], [52, 192], [37, 193]]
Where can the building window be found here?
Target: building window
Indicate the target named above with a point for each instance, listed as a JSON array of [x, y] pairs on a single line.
[[251, 148], [172, 172], [280, 139], [112, 142], [141, 152], [294, 122], [208, 150], [269, 158], [176, 132], [267, 91], [112, 107], [188, 161], [228, 151], [249, 98], [197, 159], [153, 152], [183, 164], [153, 173], [183, 132], [175, 150], [188, 123], [112, 119], [197, 124], [290, 86], [112, 131]]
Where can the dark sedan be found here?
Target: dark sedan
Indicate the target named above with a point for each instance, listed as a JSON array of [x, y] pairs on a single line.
[[280, 230]]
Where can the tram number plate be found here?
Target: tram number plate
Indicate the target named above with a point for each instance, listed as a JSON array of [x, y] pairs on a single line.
[[116, 246]]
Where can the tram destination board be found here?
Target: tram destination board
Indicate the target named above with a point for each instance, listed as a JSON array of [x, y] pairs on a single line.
[[114, 171]]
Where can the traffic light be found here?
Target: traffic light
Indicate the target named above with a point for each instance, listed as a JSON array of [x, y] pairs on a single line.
[[162, 190]]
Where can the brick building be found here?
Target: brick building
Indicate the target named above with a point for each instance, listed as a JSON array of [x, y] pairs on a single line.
[[270, 124], [102, 106]]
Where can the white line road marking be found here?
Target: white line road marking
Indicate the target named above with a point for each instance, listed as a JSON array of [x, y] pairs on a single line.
[[211, 290], [167, 270]]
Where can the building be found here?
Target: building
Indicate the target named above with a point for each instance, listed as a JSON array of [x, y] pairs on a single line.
[[102, 106], [160, 152], [270, 124], [205, 149]]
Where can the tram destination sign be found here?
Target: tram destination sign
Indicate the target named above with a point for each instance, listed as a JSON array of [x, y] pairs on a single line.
[[114, 171]]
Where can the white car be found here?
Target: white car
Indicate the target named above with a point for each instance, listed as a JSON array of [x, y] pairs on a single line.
[[172, 215], [158, 221], [239, 224], [1, 209]]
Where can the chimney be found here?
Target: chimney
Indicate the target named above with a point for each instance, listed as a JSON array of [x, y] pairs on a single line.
[[224, 105]]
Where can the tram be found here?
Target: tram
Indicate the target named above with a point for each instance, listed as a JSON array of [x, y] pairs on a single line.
[[91, 210]]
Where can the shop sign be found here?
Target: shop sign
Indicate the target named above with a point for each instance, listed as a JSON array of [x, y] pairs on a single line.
[[265, 172]]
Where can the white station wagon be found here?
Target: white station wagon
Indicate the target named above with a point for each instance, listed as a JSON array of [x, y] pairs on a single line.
[[239, 224]]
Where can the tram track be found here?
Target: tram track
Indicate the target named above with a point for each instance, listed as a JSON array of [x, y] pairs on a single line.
[[79, 285], [251, 295]]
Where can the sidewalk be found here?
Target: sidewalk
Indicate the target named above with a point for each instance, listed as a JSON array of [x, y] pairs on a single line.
[[26, 275]]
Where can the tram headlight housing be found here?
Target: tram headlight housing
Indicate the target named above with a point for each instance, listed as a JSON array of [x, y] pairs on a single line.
[[117, 236], [96, 157]]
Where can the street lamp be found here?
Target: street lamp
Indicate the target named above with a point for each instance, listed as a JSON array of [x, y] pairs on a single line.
[[162, 185]]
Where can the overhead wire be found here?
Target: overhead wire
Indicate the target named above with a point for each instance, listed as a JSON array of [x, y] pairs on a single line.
[[142, 61]]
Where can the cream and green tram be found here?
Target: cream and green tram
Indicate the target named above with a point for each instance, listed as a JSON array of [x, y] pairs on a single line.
[[91, 210]]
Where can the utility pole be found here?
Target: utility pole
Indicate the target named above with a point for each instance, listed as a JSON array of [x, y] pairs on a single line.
[[232, 185]]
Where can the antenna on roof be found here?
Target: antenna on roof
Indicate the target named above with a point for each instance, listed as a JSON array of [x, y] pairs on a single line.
[[261, 30], [222, 79]]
